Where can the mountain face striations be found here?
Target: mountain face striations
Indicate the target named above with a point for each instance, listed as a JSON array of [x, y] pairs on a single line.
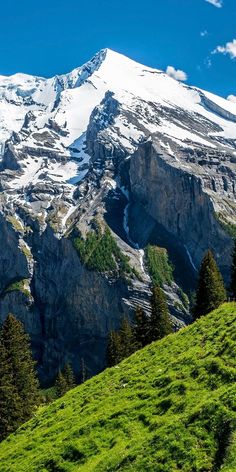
[[95, 165]]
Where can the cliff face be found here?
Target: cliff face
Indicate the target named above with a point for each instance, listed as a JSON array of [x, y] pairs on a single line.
[[117, 144], [67, 309], [177, 199]]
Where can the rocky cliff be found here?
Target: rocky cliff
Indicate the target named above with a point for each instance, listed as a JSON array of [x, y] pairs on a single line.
[[117, 145]]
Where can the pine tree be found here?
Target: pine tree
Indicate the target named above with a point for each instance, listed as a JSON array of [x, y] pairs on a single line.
[[210, 291], [233, 273], [113, 354], [141, 329], [83, 371], [10, 413], [19, 356], [127, 339], [61, 384], [69, 376], [160, 324]]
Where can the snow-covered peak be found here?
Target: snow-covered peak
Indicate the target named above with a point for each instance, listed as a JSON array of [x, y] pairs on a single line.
[[121, 100]]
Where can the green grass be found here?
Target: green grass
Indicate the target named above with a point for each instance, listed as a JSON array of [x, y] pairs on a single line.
[[15, 223], [19, 286], [159, 266], [99, 251], [169, 407], [230, 228]]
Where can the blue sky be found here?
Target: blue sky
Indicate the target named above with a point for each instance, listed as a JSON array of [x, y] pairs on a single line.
[[54, 36]]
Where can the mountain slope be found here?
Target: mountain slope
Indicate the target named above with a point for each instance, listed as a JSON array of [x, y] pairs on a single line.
[[112, 143], [169, 407]]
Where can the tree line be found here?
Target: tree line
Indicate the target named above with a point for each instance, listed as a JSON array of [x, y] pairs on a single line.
[[20, 393], [129, 338], [210, 294], [19, 387]]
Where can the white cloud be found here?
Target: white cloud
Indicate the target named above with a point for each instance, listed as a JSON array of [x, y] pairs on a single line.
[[216, 3], [232, 98], [229, 48], [204, 33], [176, 73]]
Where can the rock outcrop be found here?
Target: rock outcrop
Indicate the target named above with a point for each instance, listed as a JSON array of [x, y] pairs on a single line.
[[117, 144]]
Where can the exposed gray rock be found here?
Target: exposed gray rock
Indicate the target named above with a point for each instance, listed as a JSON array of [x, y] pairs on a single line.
[[178, 200]]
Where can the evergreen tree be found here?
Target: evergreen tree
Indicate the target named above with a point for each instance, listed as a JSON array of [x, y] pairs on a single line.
[[83, 371], [233, 274], [210, 291], [69, 376], [141, 329], [160, 324], [19, 357], [113, 354], [9, 400], [128, 343], [61, 384]]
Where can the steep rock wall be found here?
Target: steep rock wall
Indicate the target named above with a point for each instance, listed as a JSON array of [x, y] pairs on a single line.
[[176, 199], [70, 309]]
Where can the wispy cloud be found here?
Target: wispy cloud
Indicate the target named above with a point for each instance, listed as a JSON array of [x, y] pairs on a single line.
[[204, 33], [176, 73], [216, 3], [208, 62], [229, 48], [232, 98]]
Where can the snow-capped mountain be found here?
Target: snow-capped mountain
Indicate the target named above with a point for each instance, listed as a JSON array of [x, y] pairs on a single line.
[[119, 142], [51, 116]]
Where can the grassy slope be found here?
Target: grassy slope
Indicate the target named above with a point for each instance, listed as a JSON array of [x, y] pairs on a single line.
[[169, 407]]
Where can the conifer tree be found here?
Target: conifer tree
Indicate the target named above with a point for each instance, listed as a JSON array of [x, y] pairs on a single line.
[[233, 273], [210, 291], [128, 343], [141, 329], [83, 371], [69, 376], [19, 357], [61, 384], [160, 324], [113, 354], [10, 413]]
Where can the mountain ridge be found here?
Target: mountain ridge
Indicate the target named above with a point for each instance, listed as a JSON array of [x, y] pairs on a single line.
[[129, 148]]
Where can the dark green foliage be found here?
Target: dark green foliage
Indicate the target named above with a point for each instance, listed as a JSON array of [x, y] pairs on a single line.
[[233, 273], [61, 384], [160, 324], [19, 357], [65, 380], [49, 394], [99, 251], [184, 297], [69, 376], [121, 344], [113, 354], [141, 328], [160, 269], [210, 292], [9, 398], [84, 373], [127, 339], [157, 411]]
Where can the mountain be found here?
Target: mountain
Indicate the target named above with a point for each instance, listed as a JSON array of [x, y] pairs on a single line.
[[95, 165], [169, 407]]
